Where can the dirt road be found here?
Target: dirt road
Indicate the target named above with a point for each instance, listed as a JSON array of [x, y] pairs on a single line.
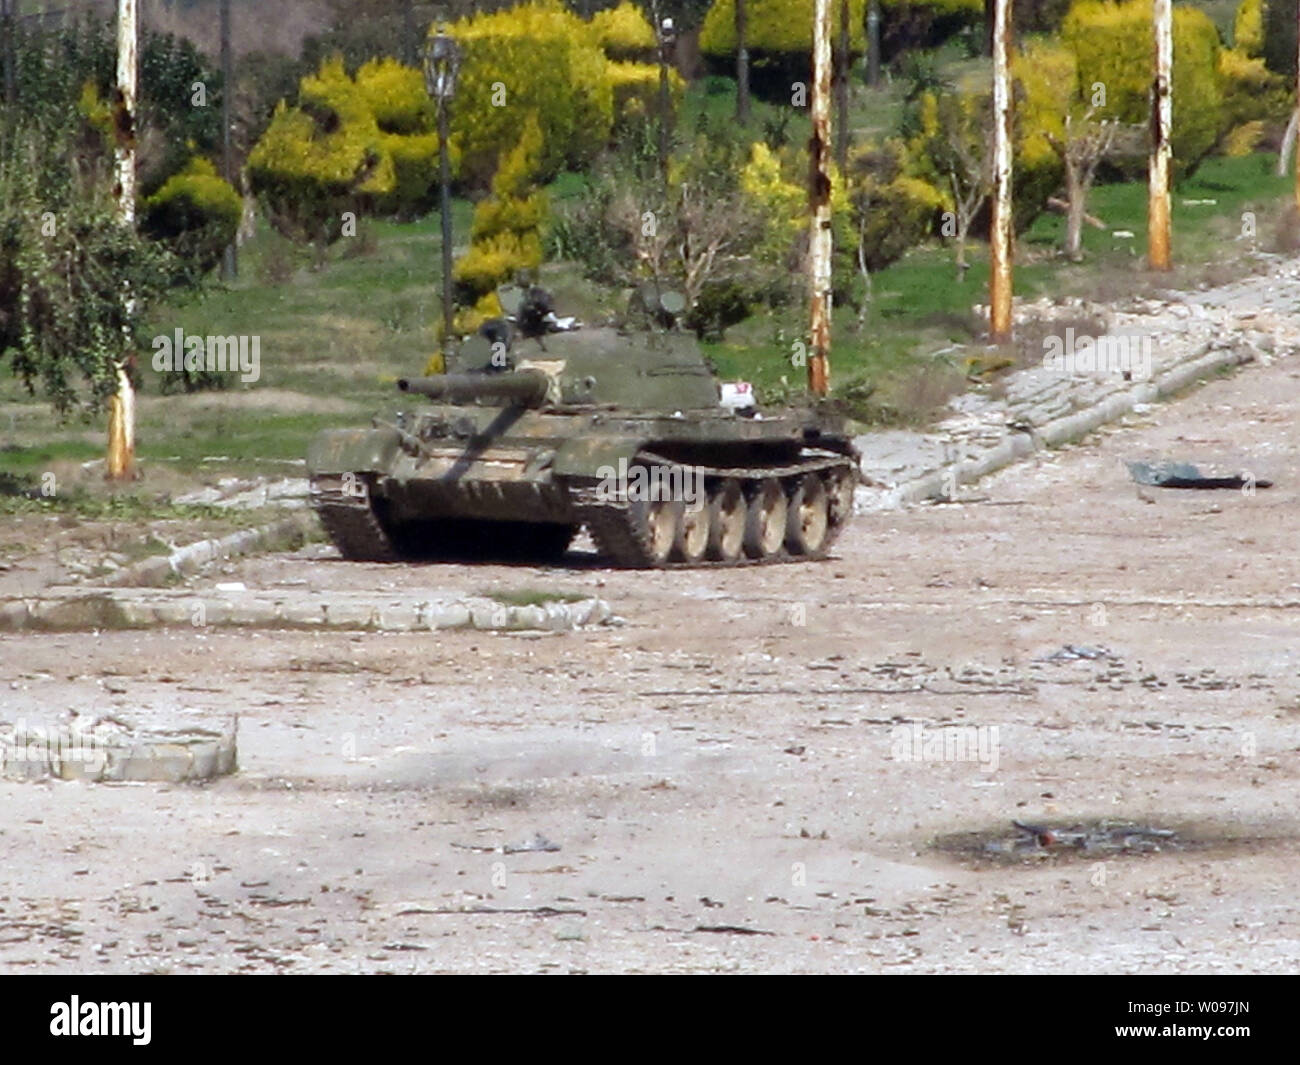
[[773, 769]]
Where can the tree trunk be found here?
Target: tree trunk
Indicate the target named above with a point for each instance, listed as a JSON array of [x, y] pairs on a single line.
[[1288, 143], [742, 63], [873, 43], [1001, 230], [842, 91], [1075, 195], [120, 459], [819, 204]]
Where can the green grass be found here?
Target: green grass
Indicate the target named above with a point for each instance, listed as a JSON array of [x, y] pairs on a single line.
[[335, 337], [533, 597], [919, 307], [124, 507]]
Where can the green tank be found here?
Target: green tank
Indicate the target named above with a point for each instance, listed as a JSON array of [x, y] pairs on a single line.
[[537, 430]]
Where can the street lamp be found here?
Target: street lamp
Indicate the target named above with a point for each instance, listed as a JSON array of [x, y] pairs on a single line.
[[667, 35], [441, 63]]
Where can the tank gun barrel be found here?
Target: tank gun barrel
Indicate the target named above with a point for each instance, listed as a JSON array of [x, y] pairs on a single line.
[[523, 388]]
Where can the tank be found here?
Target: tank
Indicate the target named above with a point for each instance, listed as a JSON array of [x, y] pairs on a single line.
[[541, 427]]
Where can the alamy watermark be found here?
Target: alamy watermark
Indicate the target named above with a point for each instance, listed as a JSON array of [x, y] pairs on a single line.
[[650, 484], [215, 354], [952, 743], [1080, 353], [47, 746], [75, 1017]]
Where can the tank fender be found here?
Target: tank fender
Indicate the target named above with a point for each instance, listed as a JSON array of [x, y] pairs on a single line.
[[353, 451], [589, 456]]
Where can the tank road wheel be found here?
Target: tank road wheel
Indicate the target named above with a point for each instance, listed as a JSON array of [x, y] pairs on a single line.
[[693, 532], [808, 519], [655, 522], [726, 521], [640, 535], [839, 491], [765, 520]]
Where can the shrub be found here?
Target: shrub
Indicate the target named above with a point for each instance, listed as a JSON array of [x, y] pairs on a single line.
[[774, 27], [1252, 97], [1248, 28], [396, 97], [63, 291], [196, 213], [636, 90], [624, 32], [322, 158], [367, 144], [877, 208], [779, 40], [1048, 90], [908, 25], [536, 58], [893, 213], [506, 233], [1112, 43]]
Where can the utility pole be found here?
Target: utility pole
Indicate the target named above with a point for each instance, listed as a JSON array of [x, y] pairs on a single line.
[[1000, 227], [7, 53], [819, 204], [873, 43], [442, 57], [742, 63], [842, 92], [1162, 113], [230, 260], [1297, 104], [410, 35], [120, 464]]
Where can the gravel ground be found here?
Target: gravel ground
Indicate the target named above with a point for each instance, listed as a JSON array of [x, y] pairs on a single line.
[[726, 780]]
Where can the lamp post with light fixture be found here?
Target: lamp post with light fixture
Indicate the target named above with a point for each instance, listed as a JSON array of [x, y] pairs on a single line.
[[441, 63], [667, 37]]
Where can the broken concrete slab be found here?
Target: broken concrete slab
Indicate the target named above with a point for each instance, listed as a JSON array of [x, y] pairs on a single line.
[[77, 609], [192, 558], [108, 750]]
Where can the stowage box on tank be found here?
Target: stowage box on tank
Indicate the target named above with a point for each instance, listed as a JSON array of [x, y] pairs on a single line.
[[541, 430]]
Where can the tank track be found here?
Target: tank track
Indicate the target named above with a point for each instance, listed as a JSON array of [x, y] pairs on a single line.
[[620, 542], [344, 507]]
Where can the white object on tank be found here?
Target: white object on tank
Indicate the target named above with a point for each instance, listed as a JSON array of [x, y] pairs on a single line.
[[737, 395]]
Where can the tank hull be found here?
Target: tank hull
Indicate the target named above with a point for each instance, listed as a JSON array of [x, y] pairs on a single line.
[[479, 482]]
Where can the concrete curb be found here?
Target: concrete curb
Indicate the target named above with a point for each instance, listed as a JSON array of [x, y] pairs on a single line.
[[115, 754], [79, 610], [190, 559], [1020, 443]]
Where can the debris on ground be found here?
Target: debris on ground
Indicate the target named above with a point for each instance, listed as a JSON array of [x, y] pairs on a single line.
[[1105, 837], [1072, 652], [1186, 475]]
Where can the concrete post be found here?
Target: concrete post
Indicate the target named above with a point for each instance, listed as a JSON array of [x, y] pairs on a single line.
[[819, 204], [1162, 107], [1001, 229]]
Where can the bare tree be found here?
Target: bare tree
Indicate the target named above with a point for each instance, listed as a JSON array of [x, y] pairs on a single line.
[[960, 152], [1088, 141], [971, 182], [701, 236]]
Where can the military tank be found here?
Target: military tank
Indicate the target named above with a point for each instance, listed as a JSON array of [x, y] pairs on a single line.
[[540, 427]]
